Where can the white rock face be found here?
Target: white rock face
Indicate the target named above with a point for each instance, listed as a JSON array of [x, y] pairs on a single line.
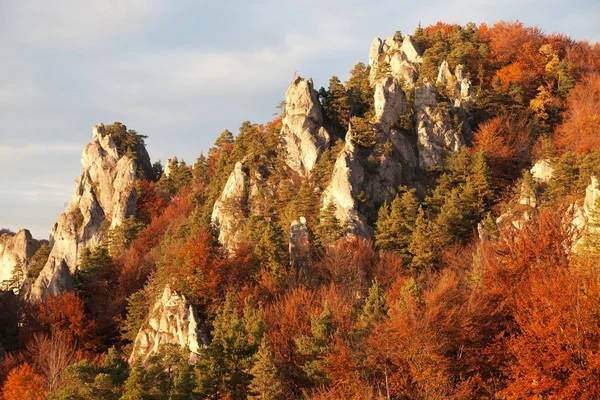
[[299, 247], [435, 134], [303, 134], [15, 249], [410, 50], [348, 176], [445, 77], [403, 59], [228, 209], [390, 101], [172, 321], [542, 171], [104, 190], [403, 70]]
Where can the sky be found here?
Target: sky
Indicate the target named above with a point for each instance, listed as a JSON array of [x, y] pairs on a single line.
[[182, 71]]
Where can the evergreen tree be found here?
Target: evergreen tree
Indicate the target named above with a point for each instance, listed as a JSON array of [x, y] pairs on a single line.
[[316, 346], [265, 384], [395, 224], [329, 229], [421, 245], [222, 369], [375, 308]]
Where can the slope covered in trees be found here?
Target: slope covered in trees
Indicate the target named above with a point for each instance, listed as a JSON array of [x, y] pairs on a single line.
[[438, 297]]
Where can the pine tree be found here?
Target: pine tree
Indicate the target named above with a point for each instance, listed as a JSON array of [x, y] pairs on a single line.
[[316, 347], [222, 369], [329, 229], [375, 308], [265, 384], [421, 245], [395, 224]]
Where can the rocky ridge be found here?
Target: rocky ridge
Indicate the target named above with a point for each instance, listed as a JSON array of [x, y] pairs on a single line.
[[104, 197]]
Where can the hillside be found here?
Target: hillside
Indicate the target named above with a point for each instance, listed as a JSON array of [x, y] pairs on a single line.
[[426, 229]]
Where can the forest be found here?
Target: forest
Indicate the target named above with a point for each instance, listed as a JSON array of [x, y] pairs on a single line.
[[475, 281]]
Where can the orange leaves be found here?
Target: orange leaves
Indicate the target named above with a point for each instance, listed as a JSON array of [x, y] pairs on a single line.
[[149, 203], [65, 313], [24, 384], [580, 131], [507, 143]]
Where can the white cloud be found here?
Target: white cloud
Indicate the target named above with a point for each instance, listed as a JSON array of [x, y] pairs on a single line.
[[33, 149], [64, 24]]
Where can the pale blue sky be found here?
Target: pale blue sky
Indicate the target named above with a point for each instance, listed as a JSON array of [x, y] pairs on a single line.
[[182, 71]]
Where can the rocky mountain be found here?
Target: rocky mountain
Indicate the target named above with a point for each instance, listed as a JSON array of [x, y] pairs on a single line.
[[104, 197], [15, 252]]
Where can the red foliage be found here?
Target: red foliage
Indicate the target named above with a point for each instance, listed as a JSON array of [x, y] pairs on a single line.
[[507, 142], [580, 131], [24, 384], [149, 203], [139, 261], [65, 313]]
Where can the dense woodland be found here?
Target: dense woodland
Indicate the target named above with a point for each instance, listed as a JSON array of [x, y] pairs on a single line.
[[442, 303]]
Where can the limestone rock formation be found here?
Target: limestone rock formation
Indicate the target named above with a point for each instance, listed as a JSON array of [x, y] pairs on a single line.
[[16, 250], [435, 134], [299, 247], [390, 101], [542, 171], [172, 321], [104, 192], [458, 84], [228, 210], [347, 178], [411, 50], [402, 59], [303, 134]]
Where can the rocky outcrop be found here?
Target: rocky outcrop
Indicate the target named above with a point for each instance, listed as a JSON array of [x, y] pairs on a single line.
[[16, 250], [346, 181], [104, 193], [390, 101], [401, 59], [172, 321], [299, 247], [542, 171], [228, 210], [435, 135], [303, 135], [458, 85]]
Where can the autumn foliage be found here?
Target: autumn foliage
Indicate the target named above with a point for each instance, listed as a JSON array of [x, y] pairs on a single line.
[[580, 131], [23, 383]]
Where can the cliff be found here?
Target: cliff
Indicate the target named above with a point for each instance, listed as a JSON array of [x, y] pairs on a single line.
[[104, 196]]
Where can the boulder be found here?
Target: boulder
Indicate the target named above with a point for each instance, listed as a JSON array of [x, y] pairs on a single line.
[[172, 321], [104, 190], [303, 135]]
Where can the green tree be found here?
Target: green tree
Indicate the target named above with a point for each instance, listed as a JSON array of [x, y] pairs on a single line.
[[224, 364], [316, 347], [266, 383], [421, 245], [375, 308], [395, 223], [329, 228]]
